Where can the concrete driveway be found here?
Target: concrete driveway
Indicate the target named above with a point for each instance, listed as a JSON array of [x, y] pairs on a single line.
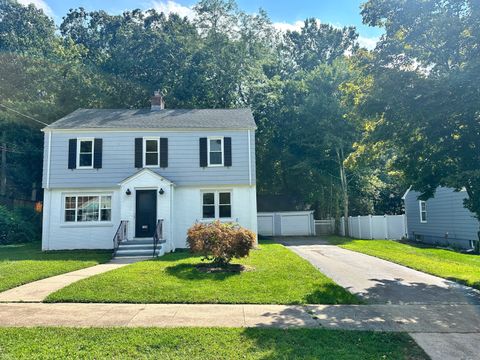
[[381, 282]]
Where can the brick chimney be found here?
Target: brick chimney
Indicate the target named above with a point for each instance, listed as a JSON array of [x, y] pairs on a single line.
[[157, 101]]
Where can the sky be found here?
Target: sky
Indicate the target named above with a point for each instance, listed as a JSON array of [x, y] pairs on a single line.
[[286, 15]]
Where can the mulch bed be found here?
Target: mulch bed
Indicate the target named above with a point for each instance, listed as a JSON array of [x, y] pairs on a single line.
[[230, 268]]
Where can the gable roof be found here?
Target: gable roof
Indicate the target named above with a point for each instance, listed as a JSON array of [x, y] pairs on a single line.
[[158, 119], [145, 172]]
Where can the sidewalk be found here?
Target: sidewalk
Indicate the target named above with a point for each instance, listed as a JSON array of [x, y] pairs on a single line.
[[405, 318]]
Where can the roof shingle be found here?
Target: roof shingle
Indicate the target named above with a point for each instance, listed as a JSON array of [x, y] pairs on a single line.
[[158, 119]]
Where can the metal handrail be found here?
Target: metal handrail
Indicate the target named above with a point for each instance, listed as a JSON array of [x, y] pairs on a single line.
[[157, 235], [120, 235]]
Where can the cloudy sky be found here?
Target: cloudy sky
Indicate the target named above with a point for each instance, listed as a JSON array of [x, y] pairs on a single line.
[[284, 14]]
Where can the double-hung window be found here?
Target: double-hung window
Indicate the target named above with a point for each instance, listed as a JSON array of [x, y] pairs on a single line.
[[151, 155], [423, 211], [87, 208], [85, 153], [215, 151], [216, 204]]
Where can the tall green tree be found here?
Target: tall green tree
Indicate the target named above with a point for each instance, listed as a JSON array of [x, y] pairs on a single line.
[[426, 92]]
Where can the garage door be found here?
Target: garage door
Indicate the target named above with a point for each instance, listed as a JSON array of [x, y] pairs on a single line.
[[295, 224], [265, 223]]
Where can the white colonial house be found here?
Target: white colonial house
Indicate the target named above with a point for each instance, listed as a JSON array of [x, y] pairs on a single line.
[[135, 180]]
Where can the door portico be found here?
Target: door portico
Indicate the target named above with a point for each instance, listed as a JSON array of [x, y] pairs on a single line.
[[145, 198]]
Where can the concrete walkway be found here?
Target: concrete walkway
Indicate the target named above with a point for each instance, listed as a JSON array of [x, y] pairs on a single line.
[[442, 316], [37, 291], [436, 319]]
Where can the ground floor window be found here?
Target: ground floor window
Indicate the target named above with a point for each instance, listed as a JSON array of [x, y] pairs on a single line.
[[84, 208], [423, 211], [216, 204]]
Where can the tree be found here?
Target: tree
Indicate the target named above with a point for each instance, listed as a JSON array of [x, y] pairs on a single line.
[[426, 91], [318, 43]]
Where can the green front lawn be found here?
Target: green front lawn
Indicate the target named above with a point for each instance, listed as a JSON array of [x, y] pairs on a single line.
[[23, 263], [204, 343], [464, 268], [280, 277]]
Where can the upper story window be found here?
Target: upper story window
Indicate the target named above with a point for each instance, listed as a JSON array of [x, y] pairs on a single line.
[[85, 153], [215, 151], [216, 204], [151, 155], [86, 208], [423, 211]]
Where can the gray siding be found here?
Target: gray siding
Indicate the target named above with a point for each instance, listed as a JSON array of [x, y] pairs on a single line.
[[448, 222], [118, 159]]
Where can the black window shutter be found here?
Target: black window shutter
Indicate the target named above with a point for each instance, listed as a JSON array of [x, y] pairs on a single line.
[[138, 152], [72, 153], [163, 152], [203, 152], [227, 151], [97, 153]]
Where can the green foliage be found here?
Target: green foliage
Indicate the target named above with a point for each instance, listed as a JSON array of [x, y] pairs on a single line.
[[426, 93], [24, 263], [280, 277], [220, 242], [404, 114], [18, 226], [201, 343]]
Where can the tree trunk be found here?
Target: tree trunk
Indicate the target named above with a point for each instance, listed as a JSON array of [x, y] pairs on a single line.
[[344, 187], [3, 167]]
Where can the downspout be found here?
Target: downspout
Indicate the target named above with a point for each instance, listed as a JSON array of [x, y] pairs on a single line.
[[49, 151], [249, 159], [172, 218], [49, 159]]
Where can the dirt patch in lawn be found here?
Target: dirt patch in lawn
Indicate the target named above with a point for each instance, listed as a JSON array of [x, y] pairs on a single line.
[[230, 268]]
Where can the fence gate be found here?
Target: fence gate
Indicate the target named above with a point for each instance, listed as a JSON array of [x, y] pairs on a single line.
[[325, 227]]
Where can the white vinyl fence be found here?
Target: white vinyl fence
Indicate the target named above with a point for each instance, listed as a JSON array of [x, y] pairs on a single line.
[[288, 223], [393, 227]]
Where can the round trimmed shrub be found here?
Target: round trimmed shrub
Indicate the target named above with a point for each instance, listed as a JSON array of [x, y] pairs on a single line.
[[220, 242]]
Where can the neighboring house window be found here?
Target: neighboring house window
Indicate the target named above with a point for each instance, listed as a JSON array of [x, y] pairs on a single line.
[[423, 211], [216, 204], [151, 154], [85, 153], [87, 208], [215, 151]]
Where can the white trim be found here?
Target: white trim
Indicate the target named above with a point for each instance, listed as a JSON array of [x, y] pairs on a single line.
[[76, 223], [210, 138], [249, 159], [144, 150], [216, 204], [49, 157], [79, 141], [406, 193], [420, 202], [140, 173], [172, 219], [161, 130]]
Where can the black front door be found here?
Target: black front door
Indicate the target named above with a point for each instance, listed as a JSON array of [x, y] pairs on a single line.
[[146, 213]]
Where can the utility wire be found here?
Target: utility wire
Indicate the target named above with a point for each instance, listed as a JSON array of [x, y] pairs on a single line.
[[27, 116]]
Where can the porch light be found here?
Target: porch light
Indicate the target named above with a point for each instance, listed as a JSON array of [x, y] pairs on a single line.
[[161, 191], [128, 192]]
